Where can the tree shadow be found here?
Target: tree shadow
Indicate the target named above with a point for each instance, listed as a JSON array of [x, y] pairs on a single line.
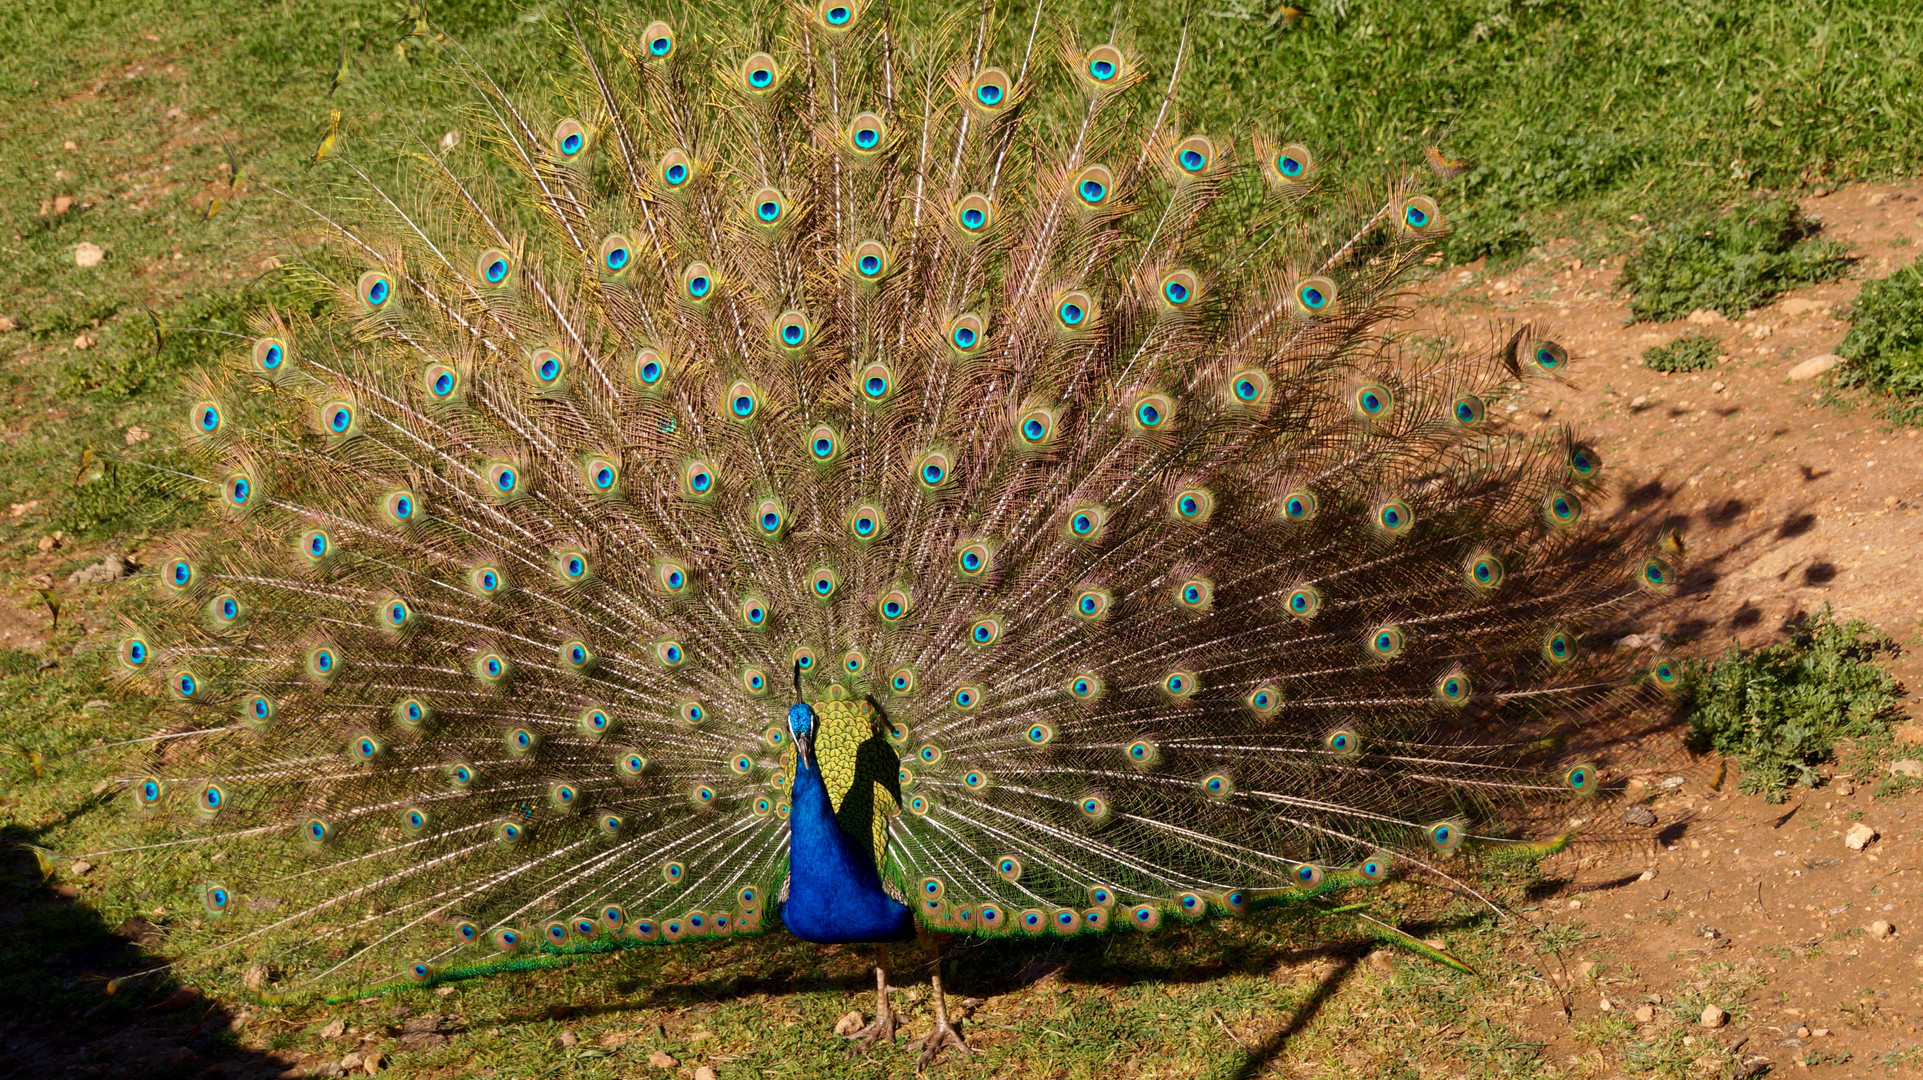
[[57, 962]]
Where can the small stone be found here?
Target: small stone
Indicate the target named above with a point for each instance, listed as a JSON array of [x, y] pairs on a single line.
[[1645, 1014], [1586, 969], [1908, 734], [79, 867], [332, 1068], [1821, 1033], [46, 544], [1881, 929], [87, 254], [372, 1061], [136, 435], [69, 144], [1382, 961], [1606, 1005], [1647, 875], [1802, 1033], [1639, 815], [83, 342], [1844, 786], [1814, 366], [62, 204], [661, 1059], [1639, 401], [1801, 306], [1638, 641], [351, 1062], [111, 568], [1714, 1017], [443, 991], [450, 140], [1906, 767], [256, 976], [1574, 904], [704, 1073], [8, 325], [1859, 837], [1705, 317], [334, 1030], [850, 1022], [566, 1039]]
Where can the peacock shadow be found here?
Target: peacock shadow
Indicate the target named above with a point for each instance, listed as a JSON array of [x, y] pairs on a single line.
[[57, 959], [1265, 946]]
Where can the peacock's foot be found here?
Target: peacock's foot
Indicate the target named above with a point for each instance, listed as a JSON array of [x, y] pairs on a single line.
[[885, 1028], [943, 1037]]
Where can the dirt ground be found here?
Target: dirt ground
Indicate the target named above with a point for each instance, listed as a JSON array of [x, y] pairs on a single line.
[[1789, 496]]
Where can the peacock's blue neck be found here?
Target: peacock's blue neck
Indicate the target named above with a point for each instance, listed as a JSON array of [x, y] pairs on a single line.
[[834, 892]]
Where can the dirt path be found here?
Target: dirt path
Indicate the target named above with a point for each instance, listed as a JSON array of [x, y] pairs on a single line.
[[1790, 496]]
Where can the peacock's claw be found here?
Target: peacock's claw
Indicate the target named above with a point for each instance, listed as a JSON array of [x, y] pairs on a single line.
[[943, 1037], [884, 1028]]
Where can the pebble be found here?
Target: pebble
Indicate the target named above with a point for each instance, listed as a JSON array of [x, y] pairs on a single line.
[[850, 1022], [334, 1030], [86, 254], [1859, 837], [661, 1059], [704, 1073], [1814, 366], [1881, 929], [1906, 767], [1639, 815], [1714, 1017], [1645, 1014]]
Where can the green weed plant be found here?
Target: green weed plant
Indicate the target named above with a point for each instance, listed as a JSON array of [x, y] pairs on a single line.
[[1884, 346], [1778, 711]]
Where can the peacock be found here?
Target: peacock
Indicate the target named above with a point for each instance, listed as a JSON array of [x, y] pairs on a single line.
[[861, 475]]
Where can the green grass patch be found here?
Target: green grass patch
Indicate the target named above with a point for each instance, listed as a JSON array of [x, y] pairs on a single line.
[[1728, 262], [1884, 345], [1778, 711], [1691, 352]]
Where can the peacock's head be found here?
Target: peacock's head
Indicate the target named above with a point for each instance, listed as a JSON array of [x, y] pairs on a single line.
[[801, 725]]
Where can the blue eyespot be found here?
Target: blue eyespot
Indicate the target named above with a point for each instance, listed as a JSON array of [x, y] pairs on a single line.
[[838, 15], [869, 265], [867, 138], [571, 144], [604, 477], [792, 334], [965, 337], [496, 271], [698, 286], [675, 173], [988, 94], [209, 418], [1102, 70], [1312, 297], [932, 473], [660, 45], [973, 218], [1148, 414], [744, 404], [340, 419], [1176, 292], [1192, 160], [651, 372], [271, 357], [1093, 191], [377, 291], [1288, 165], [760, 79], [617, 257], [1071, 313]]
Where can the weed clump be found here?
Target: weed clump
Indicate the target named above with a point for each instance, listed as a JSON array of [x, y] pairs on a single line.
[[1779, 710], [1884, 345], [1729, 263], [1691, 352]]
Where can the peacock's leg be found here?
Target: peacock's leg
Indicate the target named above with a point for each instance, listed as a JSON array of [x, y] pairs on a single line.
[[944, 1035], [883, 1029]]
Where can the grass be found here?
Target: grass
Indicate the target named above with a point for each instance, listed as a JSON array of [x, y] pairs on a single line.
[[1567, 117], [1779, 711], [1884, 345], [1730, 262], [1691, 352]]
